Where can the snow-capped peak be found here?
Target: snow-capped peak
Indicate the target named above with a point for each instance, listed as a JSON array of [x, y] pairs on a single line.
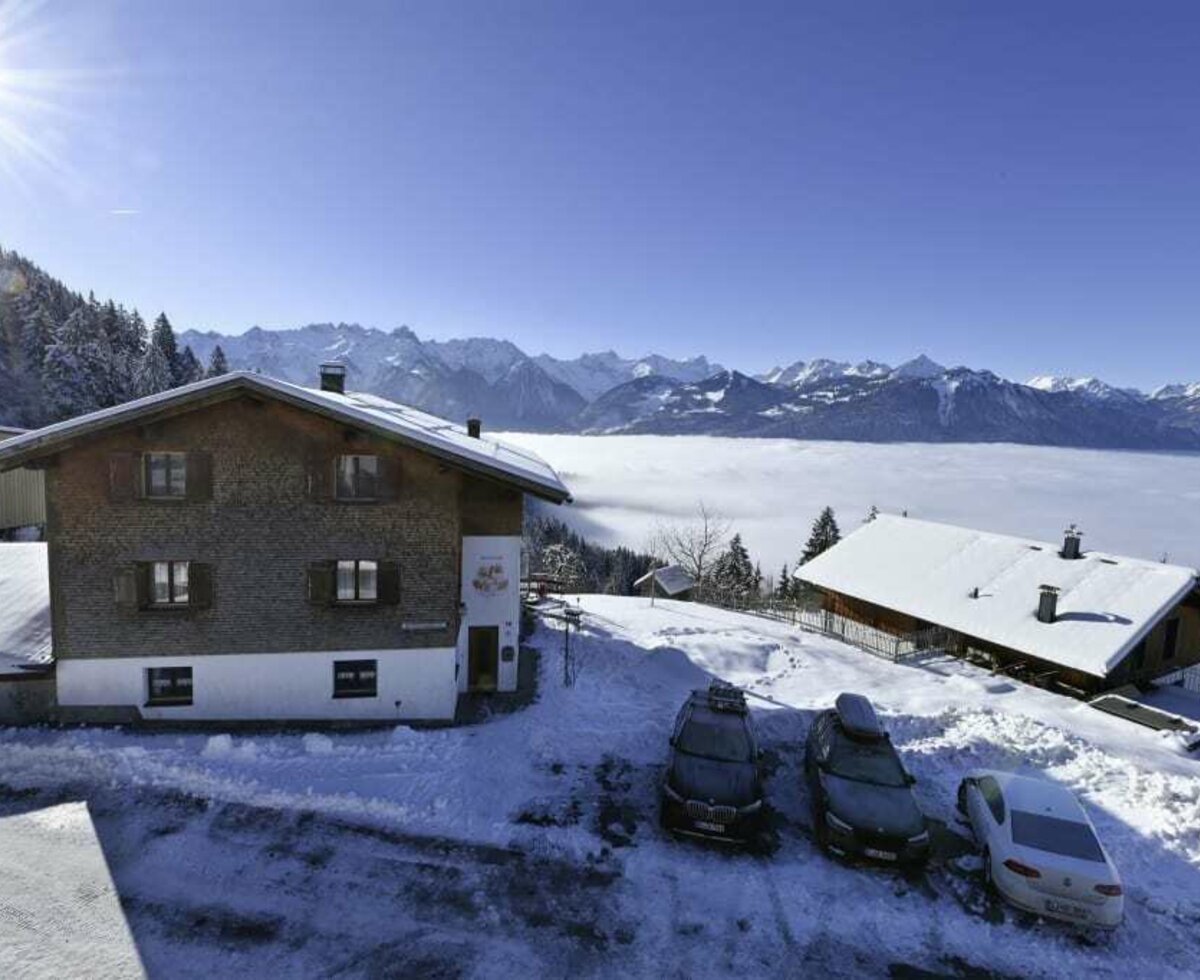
[[1093, 387], [919, 367], [1177, 391]]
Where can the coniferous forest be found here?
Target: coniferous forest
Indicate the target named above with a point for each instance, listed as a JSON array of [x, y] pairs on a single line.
[[64, 354]]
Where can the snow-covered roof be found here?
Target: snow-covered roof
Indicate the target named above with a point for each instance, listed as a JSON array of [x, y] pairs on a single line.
[[387, 418], [929, 571], [24, 607], [671, 579]]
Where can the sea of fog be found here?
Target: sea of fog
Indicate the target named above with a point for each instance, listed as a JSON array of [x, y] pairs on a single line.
[[1138, 504]]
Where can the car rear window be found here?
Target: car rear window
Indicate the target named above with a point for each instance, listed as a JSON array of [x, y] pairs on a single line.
[[866, 762], [715, 735], [1053, 834]]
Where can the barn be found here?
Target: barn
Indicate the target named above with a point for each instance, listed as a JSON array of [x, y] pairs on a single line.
[[1075, 620]]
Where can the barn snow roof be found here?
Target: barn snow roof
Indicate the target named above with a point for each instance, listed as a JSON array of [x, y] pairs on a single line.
[[390, 419], [929, 571], [671, 579]]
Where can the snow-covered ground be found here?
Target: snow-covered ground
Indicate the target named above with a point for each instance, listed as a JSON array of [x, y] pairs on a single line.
[[528, 845], [1137, 504]]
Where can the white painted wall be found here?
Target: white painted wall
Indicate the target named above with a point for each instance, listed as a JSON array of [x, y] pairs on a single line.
[[492, 598], [271, 686]]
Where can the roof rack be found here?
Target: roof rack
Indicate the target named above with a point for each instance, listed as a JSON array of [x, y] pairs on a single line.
[[726, 697], [858, 717]]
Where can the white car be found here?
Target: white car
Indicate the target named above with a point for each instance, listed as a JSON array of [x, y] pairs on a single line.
[[1040, 850]]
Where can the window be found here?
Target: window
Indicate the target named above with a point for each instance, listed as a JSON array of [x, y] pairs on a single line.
[[166, 475], [355, 679], [1171, 639], [1071, 838], [357, 581], [992, 796], [169, 583], [357, 477], [169, 685]]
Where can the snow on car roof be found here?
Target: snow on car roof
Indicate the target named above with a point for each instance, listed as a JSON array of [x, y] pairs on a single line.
[[671, 579], [402, 422], [932, 571], [1038, 796], [24, 607]]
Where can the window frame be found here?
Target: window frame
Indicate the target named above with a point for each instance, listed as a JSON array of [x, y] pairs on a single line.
[[176, 701], [357, 668], [356, 495], [357, 599], [180, 463], [993, 798], [152, 602]]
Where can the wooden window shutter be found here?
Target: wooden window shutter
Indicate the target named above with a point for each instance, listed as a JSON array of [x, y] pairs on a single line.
[[320, 476], [389, 478], [142, 575], [389, 583], [199, 476], [124, 476], [200, 583], [125, 587], [320, 583]]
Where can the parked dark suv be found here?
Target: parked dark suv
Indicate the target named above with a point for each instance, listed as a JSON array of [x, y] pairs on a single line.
[[713, 786], [862, 799]]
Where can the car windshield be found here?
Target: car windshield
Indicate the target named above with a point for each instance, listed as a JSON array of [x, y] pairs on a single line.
[[1053, 834], [866, 762], [715, 735]]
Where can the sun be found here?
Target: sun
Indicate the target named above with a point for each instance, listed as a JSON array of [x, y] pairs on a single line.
[[34, 103]]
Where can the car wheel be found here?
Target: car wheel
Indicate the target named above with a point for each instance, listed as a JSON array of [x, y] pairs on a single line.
[[989, 884]]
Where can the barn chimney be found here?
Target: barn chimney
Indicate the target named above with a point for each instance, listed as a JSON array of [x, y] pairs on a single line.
[[1048, 604], [333, 377], [474, 427], [1070, 550]]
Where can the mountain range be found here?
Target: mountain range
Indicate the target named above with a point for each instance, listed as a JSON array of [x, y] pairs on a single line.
[[918, 401]]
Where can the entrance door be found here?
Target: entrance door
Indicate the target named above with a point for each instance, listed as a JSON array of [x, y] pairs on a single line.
[[483, 657]]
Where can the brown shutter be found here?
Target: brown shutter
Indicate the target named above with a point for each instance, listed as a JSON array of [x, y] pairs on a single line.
[[319, 475], [125, 587], [124, 476], [142, 577], [320, 583], [200, 584], [199, 476], [389, 583], [389, 478]]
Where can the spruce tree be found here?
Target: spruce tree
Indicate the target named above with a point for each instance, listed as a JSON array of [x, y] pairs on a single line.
[[783, 588], [163, 337], [189, 368], [217, 365], [871, 514], [153, 373], [825, 534], [75, 369]]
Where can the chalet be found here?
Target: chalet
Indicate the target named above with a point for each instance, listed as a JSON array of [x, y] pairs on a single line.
[[1081, 621], [244, 549]]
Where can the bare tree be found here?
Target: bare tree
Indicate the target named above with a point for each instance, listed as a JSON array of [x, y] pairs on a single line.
[[694, 544]]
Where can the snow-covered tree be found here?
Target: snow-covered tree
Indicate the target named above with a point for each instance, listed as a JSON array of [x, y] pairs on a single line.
[[217, 364], [153, 372], [162, 336], [871, 514], [825, 534], [563, 564], [733, 576], [188, 369], [76, 368], [783, 588]]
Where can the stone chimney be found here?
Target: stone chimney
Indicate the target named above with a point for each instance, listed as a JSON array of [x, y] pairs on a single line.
[[333, 377], [1048, 604], [474, 427], [1070, 550]]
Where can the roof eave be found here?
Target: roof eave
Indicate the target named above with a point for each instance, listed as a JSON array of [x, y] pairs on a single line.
[[43, 442]]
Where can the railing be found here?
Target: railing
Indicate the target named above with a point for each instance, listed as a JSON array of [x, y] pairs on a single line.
[[881, 643], [1188, 678]]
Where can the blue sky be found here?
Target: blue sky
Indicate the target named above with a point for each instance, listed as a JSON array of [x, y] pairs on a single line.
[[1009, 185]]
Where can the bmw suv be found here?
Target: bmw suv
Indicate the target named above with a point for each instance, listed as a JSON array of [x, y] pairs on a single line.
[[713, 787]]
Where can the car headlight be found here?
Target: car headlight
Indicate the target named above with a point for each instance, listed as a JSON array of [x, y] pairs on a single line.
[[837, 824], [671, 794], [921, 838], [751, 807]]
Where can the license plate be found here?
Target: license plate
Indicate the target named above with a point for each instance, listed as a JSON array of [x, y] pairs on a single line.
[[879, 855], [712, 828], [1066, 908]]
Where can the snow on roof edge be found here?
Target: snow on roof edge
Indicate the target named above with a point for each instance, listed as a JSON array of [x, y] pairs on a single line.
[[388, 419]]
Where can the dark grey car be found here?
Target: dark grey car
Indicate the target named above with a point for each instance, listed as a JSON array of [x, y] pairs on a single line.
[[713, 786], [862, 799]]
